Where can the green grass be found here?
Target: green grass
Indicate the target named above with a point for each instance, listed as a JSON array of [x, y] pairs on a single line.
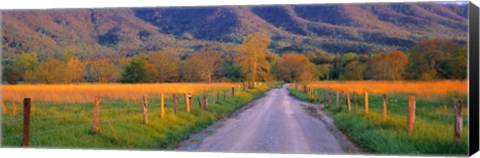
[[68, 125], [433, 133]]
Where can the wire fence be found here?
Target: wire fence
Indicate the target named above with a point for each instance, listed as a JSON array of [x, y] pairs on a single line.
[[49, 118]]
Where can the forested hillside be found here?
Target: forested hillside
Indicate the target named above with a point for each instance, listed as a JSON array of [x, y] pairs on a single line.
[[418, 41], [360, 28]]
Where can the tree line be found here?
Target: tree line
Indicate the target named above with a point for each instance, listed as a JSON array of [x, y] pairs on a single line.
[[252, 61]]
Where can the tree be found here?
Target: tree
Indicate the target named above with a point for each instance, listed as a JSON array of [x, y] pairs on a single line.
[[354, 70], [202, 66], [210, 65], [68, 55], [348, 57], [251, 57], [190, 68], [166, 64], [231, 72], [75, 71], [388, 66], [456, 67], [429, 57], [323, 71], [320, 57], [337, 68], [10, 74], [295, 68], [136, 71], [22, 68], [52, 71], [103, 71]]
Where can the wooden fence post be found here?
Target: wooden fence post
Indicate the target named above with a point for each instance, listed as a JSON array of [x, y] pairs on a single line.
[[365, 101], [385, 102], [175, 103], [190, 100], [96, 113], [205, 101], [325, 96], [218, 97], [314, 94], [337, 98], [349, 107], [213, 98], [411, 113], [307, 91], [329, 97], [341, 99], [26, 121], [162, 106], [233, 91], [458, 120], [145, 110], [355, 108], [199, 103], [224, 95]]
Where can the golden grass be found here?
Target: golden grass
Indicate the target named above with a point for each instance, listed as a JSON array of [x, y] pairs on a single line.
[[86, 92], [419, 88]]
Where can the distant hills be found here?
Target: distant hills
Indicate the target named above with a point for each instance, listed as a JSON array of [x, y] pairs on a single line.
[[340, 28]]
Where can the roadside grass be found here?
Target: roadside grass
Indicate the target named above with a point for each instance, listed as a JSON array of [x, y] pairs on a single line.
[[69, 125], [433, 133]]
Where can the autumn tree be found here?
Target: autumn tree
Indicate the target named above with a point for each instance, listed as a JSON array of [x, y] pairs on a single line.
[[202, 66], [51, 71], [388, 66], [251, 57], [166, 64], [320, 57], [103, 71], [429, 57], [190, 69], [75, 69], [354, 70], [295, 68], [210, 65]]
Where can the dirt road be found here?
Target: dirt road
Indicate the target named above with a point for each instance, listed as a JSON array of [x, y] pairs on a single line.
[[276, 123]]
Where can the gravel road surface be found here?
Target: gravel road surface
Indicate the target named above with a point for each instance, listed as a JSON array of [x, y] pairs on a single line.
[[276, 123]]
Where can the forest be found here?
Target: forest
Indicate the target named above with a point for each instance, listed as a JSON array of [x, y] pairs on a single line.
[[252, 60]]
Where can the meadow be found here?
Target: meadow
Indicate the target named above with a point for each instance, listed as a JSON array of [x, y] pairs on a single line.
[[87, 92], [425, 89], [434, 128], [61, 115]]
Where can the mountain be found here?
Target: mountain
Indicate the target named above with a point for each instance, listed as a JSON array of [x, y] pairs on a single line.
[[339, 28]]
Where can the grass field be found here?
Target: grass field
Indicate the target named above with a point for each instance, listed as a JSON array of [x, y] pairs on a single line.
[[86, 92], [60, 121], [433, 133], [424, 89]]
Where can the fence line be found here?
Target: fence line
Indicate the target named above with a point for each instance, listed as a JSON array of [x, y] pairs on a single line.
[[97, 111], [411, 107]]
